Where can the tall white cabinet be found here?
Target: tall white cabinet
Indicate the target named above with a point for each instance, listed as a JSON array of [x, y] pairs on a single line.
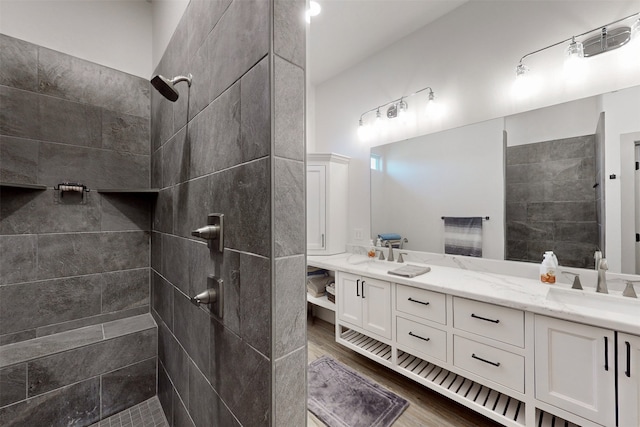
[[327, 185]]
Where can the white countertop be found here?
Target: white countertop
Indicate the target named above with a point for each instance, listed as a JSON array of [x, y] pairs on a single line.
[[611, 311]]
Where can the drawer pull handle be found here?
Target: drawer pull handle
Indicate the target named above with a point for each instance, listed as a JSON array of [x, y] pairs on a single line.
[[606, 354], [358, 287], [418, 336], [628, 371], [485, 361], [419, 302], [485, 319]]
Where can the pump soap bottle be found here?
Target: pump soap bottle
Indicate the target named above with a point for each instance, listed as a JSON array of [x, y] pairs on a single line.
[[548, 268]]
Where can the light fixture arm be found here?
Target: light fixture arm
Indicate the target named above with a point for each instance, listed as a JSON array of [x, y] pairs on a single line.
[[401, 99], [579, 35]]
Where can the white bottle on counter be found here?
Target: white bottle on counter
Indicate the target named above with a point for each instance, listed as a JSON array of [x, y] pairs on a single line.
[[548, 268]]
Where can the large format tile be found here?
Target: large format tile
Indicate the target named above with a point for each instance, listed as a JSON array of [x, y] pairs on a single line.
[[46, 212], [290, 300], [18, 63], [131, 325], [67, 163], [18, 160], [205, 406], [122, 290], [289, 110], [69, 122], [126, 133], [289, 208], [122, 170], [175, 360], [76, 254], [28, 350], [175, 261], [162, 299], [49, 302], [13, 384], [161, 120], [17, 337], [156, 168], [191, 328], [128, 386], [181, 417], [255, 297], [176, 159], [214, 135], [289, 32], [124, 211], [165, 394], [18, 258], [202, 16], [255, 114], [50, 373], [127, 94], [237, 42], [241, 377], [105, 318], [175, 63], [200, 66], [291, 389], [76, 405]]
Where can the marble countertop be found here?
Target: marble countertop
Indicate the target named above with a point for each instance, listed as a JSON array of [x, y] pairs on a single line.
[[611, 311]]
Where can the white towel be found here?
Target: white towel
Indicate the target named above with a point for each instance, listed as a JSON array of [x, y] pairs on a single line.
[[463, 236]]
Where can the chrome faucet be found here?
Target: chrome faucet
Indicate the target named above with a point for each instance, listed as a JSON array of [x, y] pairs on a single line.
[[390, 256], [601, 286]]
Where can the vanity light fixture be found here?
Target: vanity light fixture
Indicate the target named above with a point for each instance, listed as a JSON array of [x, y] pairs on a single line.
[[608, 39], [398, 108]]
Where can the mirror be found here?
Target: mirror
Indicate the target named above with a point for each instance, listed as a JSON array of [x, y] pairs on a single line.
[[541, 177]]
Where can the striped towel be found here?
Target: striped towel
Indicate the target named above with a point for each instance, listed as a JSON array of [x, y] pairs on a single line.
[[463, 236]]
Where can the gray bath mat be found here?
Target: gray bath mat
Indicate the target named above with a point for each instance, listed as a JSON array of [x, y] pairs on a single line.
[[340, 397]]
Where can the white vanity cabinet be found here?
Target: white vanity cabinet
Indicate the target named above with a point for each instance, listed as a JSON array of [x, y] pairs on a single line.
[[628, 380], [575, 369], [365, 303], [327, 183]]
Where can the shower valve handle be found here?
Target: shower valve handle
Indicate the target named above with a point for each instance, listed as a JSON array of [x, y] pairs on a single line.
[[213, 232], [208, 232]]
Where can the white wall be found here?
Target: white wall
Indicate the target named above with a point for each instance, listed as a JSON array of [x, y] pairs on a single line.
[[166, 16], [468, 57], [116, 34], [427, 177]]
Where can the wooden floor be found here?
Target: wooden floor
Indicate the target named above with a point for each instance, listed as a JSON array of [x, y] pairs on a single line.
[[426, 408]]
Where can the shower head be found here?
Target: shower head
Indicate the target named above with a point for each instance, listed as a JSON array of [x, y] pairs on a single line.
[[165, 85]]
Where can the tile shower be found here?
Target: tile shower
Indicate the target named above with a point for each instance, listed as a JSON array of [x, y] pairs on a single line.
[[233, 143]]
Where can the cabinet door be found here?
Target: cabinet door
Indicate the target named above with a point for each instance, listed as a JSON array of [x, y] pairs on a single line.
[[316, 207], [575, 368], [628, 380], [349, 298], [376, 297]]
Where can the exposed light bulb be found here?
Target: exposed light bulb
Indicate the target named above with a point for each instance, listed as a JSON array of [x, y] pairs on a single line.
[[314, 10], [364, 133], [525, 83], [574, 66], [380, 124], [403, 112], [434, 109]]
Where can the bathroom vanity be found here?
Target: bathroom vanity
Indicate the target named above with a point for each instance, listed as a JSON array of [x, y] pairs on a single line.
[[518, 351]]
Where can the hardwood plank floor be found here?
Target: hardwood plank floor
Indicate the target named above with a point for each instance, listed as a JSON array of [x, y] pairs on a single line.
[[426, 407]]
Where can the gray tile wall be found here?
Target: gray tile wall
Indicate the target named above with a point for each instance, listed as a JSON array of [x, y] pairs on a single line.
[[233, 143], [70, 262], [551, 201]]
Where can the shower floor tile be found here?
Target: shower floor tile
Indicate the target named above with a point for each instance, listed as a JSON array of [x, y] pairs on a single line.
[[146, 414]]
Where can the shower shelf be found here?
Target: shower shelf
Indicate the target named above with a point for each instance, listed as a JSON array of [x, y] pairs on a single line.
[[128, 190], [23, 186]]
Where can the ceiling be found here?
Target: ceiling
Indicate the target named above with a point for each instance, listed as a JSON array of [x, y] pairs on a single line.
[[348, 31]]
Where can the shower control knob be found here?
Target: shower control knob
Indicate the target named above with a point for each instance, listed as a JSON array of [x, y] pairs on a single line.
[[206, 297], [209, 232]]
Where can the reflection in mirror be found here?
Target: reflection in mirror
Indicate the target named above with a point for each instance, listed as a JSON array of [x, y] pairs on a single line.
[[543, 178]]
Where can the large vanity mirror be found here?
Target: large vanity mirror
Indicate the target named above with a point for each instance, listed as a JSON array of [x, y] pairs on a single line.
[[560, 178]]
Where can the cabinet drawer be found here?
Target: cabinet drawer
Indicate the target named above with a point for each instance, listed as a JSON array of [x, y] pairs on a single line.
[[489, 362], [422, 303], [489, 320], [425, 339]]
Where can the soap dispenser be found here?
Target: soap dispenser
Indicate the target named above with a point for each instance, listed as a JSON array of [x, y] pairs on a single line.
[[548, 268], [371, 252]]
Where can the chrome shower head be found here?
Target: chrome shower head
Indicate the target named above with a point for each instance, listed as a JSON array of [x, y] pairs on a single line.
[[165, 85]]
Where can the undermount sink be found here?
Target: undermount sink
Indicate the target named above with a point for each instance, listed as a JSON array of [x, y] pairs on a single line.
[[592, 300]]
